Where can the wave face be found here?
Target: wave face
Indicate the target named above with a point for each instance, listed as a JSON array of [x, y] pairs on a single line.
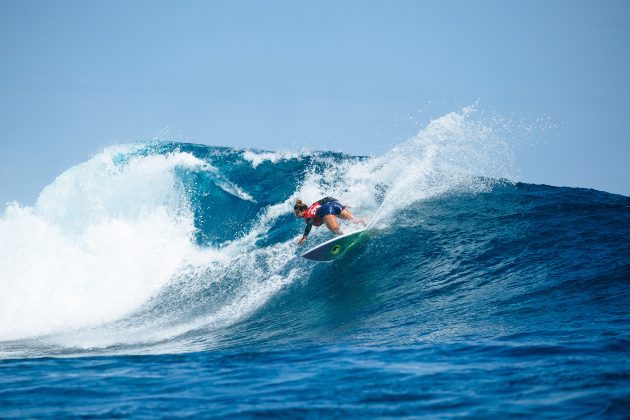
[[474, 294]]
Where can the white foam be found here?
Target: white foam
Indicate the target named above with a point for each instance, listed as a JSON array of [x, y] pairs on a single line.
[[256, 158], [99, 242], [263, 280], [108, 235], [235, 190]]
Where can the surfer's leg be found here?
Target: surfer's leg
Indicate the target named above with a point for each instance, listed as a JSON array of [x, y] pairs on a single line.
[[346, 215], [331, 223]]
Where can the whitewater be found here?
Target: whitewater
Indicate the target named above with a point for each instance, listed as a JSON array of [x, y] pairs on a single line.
[[172, 270]]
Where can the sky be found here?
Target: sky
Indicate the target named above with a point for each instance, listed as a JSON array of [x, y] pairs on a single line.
[[354, 76]]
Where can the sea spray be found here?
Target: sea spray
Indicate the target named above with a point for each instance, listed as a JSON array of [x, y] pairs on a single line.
[[134, 246]]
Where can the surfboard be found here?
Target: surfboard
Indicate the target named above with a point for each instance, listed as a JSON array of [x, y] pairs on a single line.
[[333, 249]]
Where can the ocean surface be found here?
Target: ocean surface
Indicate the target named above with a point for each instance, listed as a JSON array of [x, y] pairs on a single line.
[[163, 279]]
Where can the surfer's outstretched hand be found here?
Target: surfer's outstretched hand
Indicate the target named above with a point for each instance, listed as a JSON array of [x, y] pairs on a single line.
[[302, 240]]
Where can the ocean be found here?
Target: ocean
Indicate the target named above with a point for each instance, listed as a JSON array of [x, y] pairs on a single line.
[[163, 279]]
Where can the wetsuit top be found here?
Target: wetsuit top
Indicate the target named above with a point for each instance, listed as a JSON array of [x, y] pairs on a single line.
[[310, 215]]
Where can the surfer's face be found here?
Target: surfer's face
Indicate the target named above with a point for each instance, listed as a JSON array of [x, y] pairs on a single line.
[[299, 213]]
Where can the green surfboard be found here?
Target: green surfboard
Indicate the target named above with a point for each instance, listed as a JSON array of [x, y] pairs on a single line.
[[333, 249]]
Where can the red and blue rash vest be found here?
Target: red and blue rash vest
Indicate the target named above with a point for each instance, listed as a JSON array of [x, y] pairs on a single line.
[[311, 219], [310, 214]]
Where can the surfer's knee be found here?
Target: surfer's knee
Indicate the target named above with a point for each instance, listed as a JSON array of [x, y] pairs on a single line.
[[345, 214]]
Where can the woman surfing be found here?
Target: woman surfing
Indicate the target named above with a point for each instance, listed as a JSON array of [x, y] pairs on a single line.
[[324, 211]]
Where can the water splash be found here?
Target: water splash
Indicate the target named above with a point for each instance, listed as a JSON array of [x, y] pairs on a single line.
[[109, 253]]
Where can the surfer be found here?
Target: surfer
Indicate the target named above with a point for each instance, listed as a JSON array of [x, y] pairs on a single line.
[[324, 211]]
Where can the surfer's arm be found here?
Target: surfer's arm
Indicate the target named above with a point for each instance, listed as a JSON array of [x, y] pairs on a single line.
[[307, 230]]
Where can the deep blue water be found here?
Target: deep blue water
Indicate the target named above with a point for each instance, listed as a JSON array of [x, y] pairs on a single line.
[[472, 296]]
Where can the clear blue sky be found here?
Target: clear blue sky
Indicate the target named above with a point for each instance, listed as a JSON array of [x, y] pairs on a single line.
[[76, 76]]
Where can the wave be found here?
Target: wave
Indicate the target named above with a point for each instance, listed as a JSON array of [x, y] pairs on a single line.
[[170, 247]]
